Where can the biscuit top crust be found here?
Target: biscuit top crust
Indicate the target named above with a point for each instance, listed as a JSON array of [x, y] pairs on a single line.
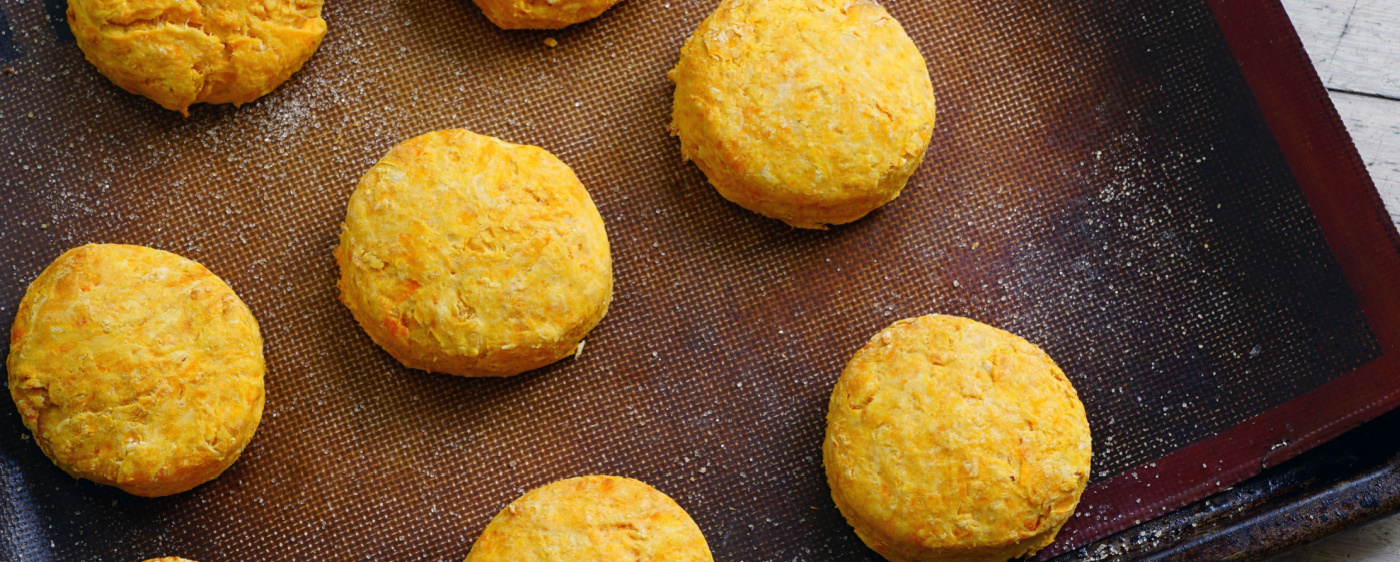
[[810, 111], [181, 52], [592, 518], [946, 433], [136, 368], [542, 14], [468, 255]]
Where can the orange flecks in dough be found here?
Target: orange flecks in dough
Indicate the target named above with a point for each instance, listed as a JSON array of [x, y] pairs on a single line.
[[467, 255], [542, 14], [813, 112], [183, 52], [136, 368], [592, 519], [948, 439]]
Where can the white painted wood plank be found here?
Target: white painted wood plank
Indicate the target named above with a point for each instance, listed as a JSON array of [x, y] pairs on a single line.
[[1351, 42], [1374, 125]]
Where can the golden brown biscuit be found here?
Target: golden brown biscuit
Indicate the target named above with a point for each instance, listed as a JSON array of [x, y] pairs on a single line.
[[467, 255], [592, 519], [136, 368], [541, 14], [181, 52], [950, 440], [812, 112]]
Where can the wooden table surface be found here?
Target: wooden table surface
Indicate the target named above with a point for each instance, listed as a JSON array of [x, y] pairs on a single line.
[[1355, 45]]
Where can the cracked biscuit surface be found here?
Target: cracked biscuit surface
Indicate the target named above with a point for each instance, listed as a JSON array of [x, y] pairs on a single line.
[[950, 440], [592, 518], [541, 14], [182, 52], [812, 112], [467, 255], [136, 368]]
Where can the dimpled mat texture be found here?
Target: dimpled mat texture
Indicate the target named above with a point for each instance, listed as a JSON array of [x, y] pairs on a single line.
[[1100, 182]]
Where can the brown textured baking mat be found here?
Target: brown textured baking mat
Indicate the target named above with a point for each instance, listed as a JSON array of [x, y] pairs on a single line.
[[1101, 181]]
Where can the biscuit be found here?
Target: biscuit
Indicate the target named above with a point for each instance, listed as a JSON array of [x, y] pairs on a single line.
[[169, 559], [182, 52], [541, 14], [467, 255], [951, 440], [812, 112], [592, 519], [136, 368]]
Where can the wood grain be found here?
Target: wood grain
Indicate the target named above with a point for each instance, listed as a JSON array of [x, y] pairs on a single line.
[[1374, 125], [1355, 45], [1352, 42]]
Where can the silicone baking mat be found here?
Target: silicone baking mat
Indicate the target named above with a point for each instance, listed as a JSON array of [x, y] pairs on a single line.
[[1116, 181]]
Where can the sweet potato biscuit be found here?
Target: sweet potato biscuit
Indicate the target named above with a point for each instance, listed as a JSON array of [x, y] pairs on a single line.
[[136, 368], [951, 440], [592, 519], [182, 52], [467, 255], [812, 112], [541, 14]]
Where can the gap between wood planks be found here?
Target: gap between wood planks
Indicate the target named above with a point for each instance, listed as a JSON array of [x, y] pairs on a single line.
[[1355, 46]]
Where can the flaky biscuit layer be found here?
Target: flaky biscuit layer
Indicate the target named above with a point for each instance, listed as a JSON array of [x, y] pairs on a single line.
[[136, 368], [813, 112], [542, 14], [467, 255], [183, 52], [592, 519], [950, 440]]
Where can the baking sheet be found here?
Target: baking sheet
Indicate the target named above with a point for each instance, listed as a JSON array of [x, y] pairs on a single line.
[[1101, 181]]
